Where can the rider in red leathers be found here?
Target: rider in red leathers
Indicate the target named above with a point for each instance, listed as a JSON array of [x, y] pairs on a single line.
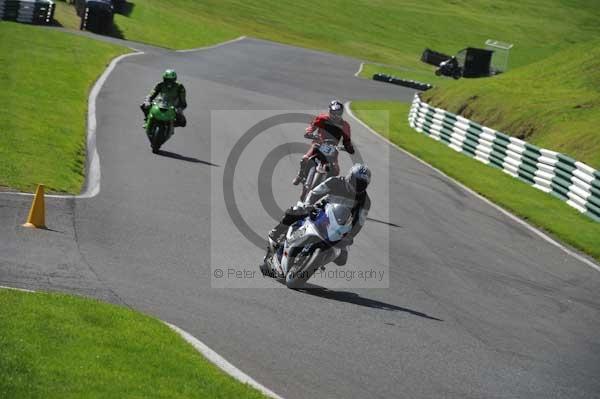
[[328, 126]]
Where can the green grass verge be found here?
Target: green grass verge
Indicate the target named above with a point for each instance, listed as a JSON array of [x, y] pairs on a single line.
[[62, 346], [537, 207], [45, 77], [387, 31], [553, 103]]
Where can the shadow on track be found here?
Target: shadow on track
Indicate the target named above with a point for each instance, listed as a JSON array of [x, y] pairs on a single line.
[[174, 155], [384, 222], [49, 229], [354, 298]]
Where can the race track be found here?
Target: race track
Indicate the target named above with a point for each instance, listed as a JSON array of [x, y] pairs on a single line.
[[471, 304]]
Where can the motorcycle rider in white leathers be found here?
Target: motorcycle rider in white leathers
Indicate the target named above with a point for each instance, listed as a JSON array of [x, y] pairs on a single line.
[[350, 189]]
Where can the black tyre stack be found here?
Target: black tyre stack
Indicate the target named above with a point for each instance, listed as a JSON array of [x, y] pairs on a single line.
[[413, 84], [28, 11], [96, 15]]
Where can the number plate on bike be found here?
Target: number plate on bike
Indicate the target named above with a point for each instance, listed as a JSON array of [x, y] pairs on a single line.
[[327, 149]]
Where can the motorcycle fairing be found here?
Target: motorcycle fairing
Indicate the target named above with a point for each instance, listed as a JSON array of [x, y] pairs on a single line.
[[301, 236]]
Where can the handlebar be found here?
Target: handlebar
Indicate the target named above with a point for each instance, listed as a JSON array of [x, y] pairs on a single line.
[[316, 137]]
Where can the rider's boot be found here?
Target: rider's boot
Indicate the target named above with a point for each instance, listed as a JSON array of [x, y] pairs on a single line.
[[264, 268], [342, 259], [276, 235], [301, 173]]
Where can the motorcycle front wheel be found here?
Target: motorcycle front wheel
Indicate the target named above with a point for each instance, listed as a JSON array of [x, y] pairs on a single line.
[[300, 272], [156, 139]]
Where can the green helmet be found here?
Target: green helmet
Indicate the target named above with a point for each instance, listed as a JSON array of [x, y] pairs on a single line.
[[170, 75]]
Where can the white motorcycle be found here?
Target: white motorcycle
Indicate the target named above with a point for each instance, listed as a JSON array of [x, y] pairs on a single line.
[[309, 244]]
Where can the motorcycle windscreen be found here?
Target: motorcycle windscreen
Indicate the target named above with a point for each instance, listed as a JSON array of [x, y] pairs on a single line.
[[162, 110], [329, 228]]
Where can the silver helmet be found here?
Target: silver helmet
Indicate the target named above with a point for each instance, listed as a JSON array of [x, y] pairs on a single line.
[[336, 110], [359, 177]]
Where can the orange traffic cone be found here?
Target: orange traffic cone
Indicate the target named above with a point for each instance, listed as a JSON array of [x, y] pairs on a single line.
[[37, 213]]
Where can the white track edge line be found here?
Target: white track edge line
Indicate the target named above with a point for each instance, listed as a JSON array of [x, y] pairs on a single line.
[[4, 287], [220, 362], [213, 46], [92, 179], [360, 68], [205, 351], [515, 218]]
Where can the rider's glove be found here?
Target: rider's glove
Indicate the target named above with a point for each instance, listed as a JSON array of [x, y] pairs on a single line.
[[303, 210], [310, 211], [321, 203], [310, 208]]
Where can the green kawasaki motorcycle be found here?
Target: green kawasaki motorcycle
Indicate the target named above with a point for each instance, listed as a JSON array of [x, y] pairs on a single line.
[[160, 125]]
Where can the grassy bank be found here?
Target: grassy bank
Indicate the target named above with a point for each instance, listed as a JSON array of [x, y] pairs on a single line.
[[553, 103], [61, 346], [386, 31], [525, 201], [45, 77]]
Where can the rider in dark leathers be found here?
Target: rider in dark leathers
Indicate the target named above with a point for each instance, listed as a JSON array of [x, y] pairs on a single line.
[[350, 189], [173, 92]]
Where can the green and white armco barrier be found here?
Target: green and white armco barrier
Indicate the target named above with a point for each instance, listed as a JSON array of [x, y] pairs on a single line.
[[574, 182]]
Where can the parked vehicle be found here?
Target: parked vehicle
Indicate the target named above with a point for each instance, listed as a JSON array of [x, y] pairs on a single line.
[[450, 67]]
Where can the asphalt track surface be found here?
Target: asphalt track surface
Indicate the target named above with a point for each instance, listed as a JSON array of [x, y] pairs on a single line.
[[473, 304]]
